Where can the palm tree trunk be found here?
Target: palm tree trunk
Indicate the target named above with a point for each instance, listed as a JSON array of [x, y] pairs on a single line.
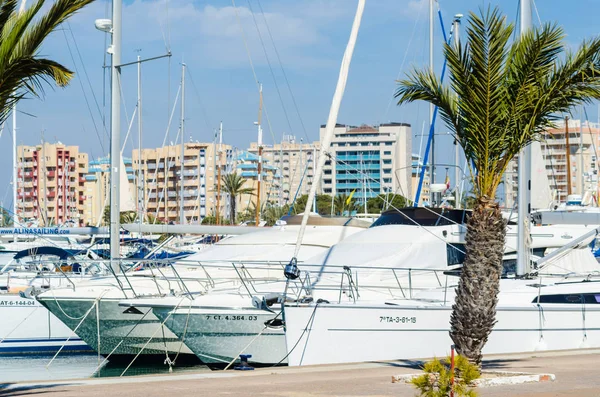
[[473, 317], [232, 209]]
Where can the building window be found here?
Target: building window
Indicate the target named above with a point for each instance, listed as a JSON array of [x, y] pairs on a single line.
[[388, 144], [327, 172], [327, 181], [387, 161], [387, 153], [387, 180], [326, 190], [387, 171]]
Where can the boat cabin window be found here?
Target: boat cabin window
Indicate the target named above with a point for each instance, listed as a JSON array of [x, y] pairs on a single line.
[[422, 216], [455, 253], [592, 298]]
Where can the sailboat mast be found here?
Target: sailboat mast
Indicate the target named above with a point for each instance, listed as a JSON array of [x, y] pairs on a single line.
[[140, 187], [456, 34], [218, 212], [580, 157], [431, 106], [524, 194], [568, 153], [115, 135], [15, 165], [260, 148], [181, 206]]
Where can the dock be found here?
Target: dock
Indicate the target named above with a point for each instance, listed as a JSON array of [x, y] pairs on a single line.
[[575, 371]]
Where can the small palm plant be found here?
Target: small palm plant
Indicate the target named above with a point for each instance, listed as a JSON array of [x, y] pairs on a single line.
[[22, 32], [233, 185], [502, 95], [439, 379]]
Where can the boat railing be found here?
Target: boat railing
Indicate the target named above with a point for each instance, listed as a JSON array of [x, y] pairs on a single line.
[[256, 277]]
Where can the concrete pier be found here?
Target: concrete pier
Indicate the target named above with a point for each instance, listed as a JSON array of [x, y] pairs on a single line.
[[576, 375]]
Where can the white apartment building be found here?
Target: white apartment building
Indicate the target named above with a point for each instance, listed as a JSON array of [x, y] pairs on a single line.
[[295, 161], [584, 142], [162, 181], [369, 160]]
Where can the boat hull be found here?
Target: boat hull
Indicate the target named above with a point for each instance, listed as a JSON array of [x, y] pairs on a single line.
[[219, 335], [333, 333], [124, 333], [26, 327]]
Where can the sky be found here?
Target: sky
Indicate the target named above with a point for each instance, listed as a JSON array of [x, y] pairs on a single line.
[[295, 48]]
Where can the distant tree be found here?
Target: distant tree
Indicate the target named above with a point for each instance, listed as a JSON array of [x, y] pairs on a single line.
[[5, 218], [344, 204], [323, 204], [233, 185], [383, 202]]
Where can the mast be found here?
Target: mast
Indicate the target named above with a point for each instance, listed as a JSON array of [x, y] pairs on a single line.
[[568, 153], [431, 106], [140, 187], [15, 165], [115, 139], [218, 212], [581, 173], [260, 148], [524, 195], [181, 204], [329, 129], [456, 33]]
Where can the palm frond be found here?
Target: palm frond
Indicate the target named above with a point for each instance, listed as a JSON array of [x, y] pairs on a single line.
[[502, 95]]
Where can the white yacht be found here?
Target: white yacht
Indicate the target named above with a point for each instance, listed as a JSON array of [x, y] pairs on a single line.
[[403, 253], [556, 310], [126, 332]]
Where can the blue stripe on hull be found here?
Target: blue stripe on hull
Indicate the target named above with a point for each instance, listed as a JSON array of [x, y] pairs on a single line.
[[41, 345], [13, 350]]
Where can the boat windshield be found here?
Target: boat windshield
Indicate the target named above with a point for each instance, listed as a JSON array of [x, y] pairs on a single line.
[[422, 216]]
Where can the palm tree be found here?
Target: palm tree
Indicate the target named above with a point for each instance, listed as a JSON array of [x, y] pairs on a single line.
[[501, 96], [233, 185], [22, 71]]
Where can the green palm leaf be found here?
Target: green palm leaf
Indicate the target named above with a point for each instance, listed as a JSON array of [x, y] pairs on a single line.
[[22, 71]]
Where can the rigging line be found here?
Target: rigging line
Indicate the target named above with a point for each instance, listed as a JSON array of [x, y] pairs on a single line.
[[412, 35], [87, 77], [536, 12], [262, 43], [239, 22], [153, 181], [87, 103], [202, 107], [283, 70]]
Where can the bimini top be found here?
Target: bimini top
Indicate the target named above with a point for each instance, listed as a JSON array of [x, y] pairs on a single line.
[[54, 251], [422, 216]]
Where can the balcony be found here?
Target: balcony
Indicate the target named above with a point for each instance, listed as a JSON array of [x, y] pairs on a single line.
[[51, 174], [51, 194]]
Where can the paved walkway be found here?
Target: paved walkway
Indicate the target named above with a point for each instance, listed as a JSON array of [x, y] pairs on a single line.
[[576, 375]]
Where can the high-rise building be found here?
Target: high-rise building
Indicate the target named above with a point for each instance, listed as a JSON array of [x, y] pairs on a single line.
[[97, 189], [369, 160], [246, 165], [296, 162], [417, 165], [50, 184], [584, 143], [162, 181]]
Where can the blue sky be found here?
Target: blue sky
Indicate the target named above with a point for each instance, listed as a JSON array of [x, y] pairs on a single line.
[[309, 37]]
